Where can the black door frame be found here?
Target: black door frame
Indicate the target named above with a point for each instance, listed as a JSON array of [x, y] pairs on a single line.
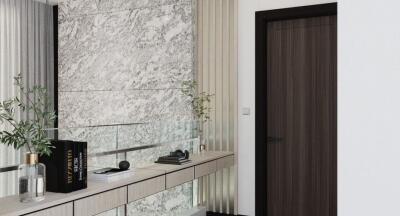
[[262, 18]]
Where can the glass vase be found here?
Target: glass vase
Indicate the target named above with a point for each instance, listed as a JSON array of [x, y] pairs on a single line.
[[32, 179], [198, 132], [203, 146]]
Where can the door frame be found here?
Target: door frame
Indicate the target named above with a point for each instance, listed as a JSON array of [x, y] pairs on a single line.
[[262, 19]]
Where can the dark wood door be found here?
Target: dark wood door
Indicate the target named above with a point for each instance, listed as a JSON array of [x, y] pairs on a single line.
[[301, 117]]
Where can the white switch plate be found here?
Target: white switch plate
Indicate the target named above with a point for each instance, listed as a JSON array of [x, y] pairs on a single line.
[[245, 111]]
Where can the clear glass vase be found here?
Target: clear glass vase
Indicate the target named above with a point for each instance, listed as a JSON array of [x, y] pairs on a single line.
[[203, 145], [32, 179], [198, 132]]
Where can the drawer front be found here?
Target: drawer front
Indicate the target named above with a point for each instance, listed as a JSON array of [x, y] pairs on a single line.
[[205, 169], [225, 162], [146, 188], [101, 202], [180, 177], [62, 210]]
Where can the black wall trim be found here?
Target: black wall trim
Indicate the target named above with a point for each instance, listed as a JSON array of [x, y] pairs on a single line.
[[262, 18], [55, 40]]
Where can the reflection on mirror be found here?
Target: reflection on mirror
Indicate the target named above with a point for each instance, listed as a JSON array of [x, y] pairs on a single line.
[[28, 48]]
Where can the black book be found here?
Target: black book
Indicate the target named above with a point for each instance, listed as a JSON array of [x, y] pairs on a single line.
[[67, 170], [169, 158], [85, 156], [82, 165], [173, 162], [76, 181], [59, 167], [80, 155]]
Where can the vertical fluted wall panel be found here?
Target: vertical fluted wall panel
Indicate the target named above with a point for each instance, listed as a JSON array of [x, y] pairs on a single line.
[[217, 75]]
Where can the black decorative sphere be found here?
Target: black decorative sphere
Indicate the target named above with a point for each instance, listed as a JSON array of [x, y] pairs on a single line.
[[124, 165]]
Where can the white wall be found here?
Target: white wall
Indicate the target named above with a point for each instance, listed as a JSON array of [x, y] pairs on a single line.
[[246, 167], [369, 108]]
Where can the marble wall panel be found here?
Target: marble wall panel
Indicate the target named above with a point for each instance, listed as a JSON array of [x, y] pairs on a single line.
[[149, 48], [95, 163], [146, 157], [73, 8], [90, 108], [123, 61], [167, 203], [155, 132], [99, 139]]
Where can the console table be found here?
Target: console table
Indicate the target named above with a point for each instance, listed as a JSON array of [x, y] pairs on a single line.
[[101, 197]]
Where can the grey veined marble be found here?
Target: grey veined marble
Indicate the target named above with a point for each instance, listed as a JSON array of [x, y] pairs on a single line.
[[123, 61], [146, 157], [147, 48], [91, 108], [162, 132], [166, 203], [71, 8]]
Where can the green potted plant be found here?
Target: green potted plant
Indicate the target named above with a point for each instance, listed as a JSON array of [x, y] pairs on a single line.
[[28, 134], [201, 104]]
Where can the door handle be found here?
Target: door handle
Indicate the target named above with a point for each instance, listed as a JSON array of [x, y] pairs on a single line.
[[274, 140]]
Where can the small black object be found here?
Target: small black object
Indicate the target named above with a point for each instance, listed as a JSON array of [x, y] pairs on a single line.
[[108, 170], [177, 157], [124, 165], [178, 153], [187, 154]]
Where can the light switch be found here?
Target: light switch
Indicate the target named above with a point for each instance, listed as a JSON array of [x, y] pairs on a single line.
[[245, 111]]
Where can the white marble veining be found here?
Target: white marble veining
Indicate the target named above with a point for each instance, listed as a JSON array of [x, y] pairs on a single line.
[[123, 61], [99, 139], [71, 8], [167, 203], [149, 48], [113, 107], [155, 132], [147, 157]]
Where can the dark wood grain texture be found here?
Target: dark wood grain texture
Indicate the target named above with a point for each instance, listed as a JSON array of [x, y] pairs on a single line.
[[301, 117]]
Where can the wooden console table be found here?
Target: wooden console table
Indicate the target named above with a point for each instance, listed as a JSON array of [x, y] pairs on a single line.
[[101, 197]]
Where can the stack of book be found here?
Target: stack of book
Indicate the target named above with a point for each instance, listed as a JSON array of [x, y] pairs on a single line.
[[66, 168], [176, 160]]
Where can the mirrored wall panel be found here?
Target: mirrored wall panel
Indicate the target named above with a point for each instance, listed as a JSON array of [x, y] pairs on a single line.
[[28, 30]]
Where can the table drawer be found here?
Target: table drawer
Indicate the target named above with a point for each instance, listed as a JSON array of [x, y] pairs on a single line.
[[225, 162], [61, 210], [179, 177], [146, 188], [101, 202], [205, 169]]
